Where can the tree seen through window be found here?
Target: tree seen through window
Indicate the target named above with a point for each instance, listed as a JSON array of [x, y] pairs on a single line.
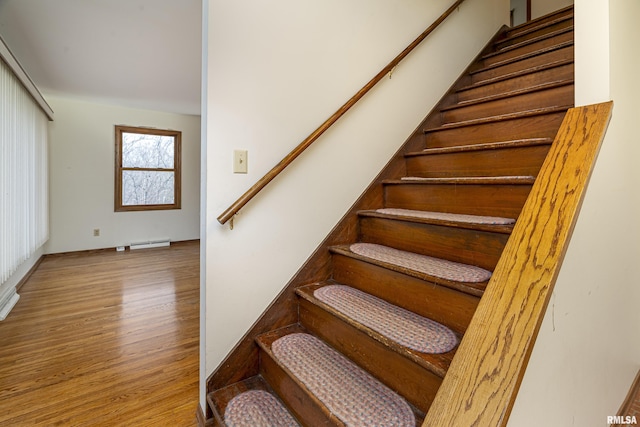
[[148, 172]]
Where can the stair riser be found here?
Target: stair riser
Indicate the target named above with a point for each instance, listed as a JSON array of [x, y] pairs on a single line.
[[295, 398], [496, 162], [558, 96], [450, 307], [416, 384], [560, 54], [532, 80], [480, 248], [541, 126], [528, 49], [483, 199], [539, 23], [216, 420], [543, 31]]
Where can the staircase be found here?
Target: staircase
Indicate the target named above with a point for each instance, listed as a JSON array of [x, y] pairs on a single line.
[[370, 343]]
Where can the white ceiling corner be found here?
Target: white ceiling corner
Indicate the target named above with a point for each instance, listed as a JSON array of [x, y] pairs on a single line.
[[136, 53]]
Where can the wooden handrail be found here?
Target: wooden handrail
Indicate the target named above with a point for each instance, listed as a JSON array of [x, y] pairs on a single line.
[[275, 171], [483, 380]]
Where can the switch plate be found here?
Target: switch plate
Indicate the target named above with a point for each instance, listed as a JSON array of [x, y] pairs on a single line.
[[240, 161], [96, 232]]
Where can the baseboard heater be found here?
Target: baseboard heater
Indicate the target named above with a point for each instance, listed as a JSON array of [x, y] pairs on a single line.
[[8, 300], [151, 244]]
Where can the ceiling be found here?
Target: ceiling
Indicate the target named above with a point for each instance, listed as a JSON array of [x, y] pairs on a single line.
[[135, 53]]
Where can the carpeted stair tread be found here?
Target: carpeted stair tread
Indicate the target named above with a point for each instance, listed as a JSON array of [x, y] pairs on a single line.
[[436, 363], [257, 408], [402, 326], [352, 395], [449, 217], [436, 267]]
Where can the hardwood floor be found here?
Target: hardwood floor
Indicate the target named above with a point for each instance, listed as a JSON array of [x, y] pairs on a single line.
[[104, 339]]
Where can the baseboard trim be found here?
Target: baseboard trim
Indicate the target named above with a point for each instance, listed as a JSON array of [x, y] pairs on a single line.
[[8, 301], [10, 297], [110, 249], [150, 244], [29, 273]]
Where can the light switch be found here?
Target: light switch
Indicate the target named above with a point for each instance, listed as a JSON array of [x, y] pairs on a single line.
[[240, 161]]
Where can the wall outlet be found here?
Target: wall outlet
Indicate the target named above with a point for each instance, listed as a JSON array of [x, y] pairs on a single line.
[[96, 232]]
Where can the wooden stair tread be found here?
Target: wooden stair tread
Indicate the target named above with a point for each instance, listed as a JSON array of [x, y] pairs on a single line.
[[516, 59], [473, 288], [478, 180], [518, 31], [484, 146], [438, 363], [528, 42], [524, 56], [323, 376], [503, 95], [515, 74], [551, 27], [501, 117], [482, 72], [481, 109], [541, 22], [535, 47]]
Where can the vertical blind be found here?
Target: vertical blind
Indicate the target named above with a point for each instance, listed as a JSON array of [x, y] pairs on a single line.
[[24, 197]]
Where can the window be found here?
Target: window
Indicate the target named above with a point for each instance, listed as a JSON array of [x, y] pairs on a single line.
[[147, 169]]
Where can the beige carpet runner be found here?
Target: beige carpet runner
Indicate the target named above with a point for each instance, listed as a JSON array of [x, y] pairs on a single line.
[[431, 266], [444, 216], [402, 326], [257, 408], [349, 393]]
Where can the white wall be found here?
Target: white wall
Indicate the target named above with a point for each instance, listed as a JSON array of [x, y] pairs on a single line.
[[81, 147], [592, 52], [543, 7], [588, 352], [519, 8], [277, 70]]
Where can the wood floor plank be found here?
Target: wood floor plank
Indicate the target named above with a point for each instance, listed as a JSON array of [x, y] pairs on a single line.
[[104, 338]]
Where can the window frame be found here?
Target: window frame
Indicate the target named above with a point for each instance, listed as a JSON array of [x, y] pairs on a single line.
[[119, 169]]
